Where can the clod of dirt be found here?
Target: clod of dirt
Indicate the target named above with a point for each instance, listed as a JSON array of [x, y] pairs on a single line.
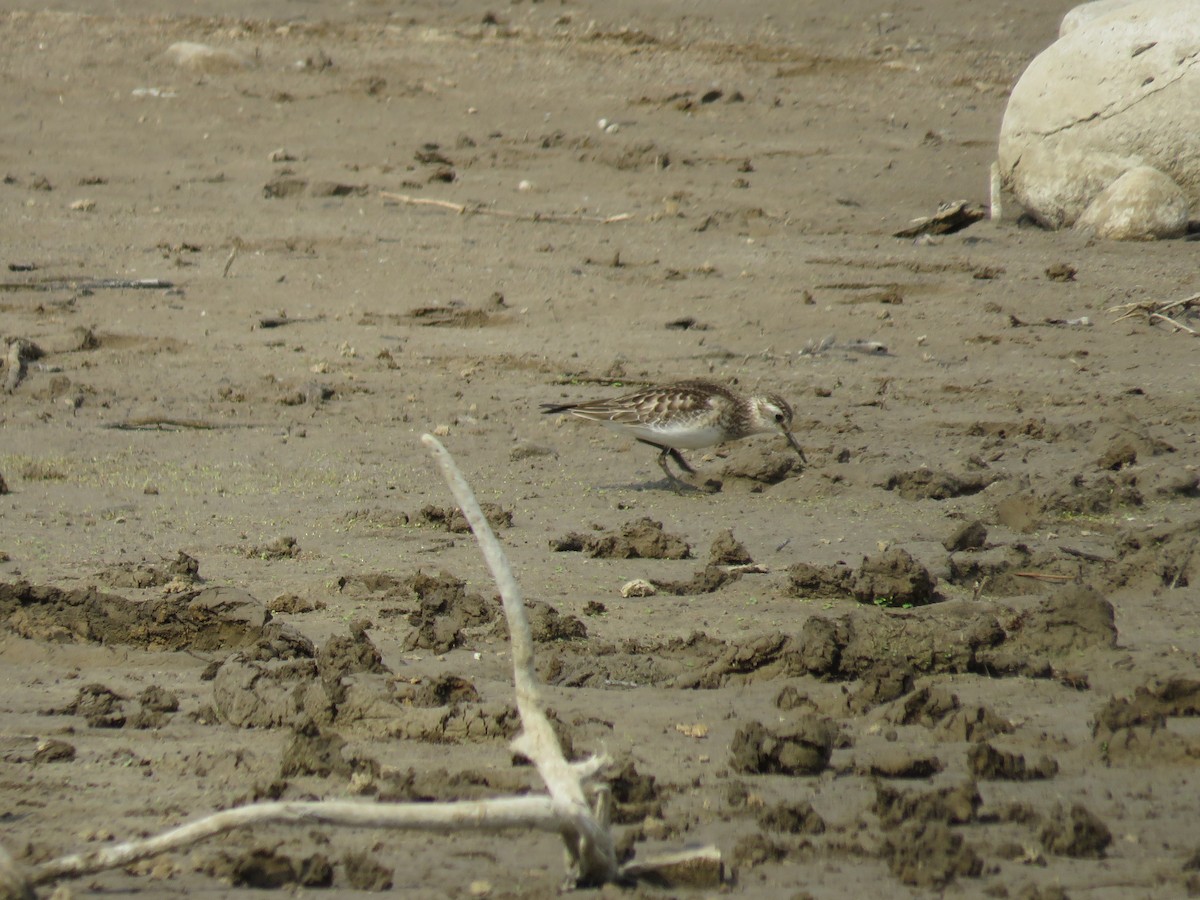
[[791, 818], [322, 753], [739, 657], [294, 604], [134, 575], [1083, 495], [528, 450], [252, 694], [759, 464], [453, 316], [635, 795], [893, 578], [215, 619], [1094, 496], [819, 582], [547, 624], [3, 485], [804, 749], [262, 868], [284, 547], [927, 484], [315, 871], [102, 707], [278, 188], [444, 690], [375, 707], [643, 539], [974, 723], [1166, 554], [726, 550], [789, 697], [955, 805], [639, 155], [445, 609], [881, 683], [1077, 833], [1061, 272], [452, 519], [337, 189], [945, 638], [897, 762], [930, 855], [986, 762], [154, 709], [819, 646], [364, 873], [757, 849], [348, 653], [968, 536], [927, 706], [1134, 728], [160, 700], [993, 570], [705, 581], [1117, 457], [53, 750], [1076, 618]]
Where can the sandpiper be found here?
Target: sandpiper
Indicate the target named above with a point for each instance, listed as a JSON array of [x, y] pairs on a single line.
[[687, 415]]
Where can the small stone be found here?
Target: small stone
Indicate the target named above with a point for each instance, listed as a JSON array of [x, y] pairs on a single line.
[[639, 587]]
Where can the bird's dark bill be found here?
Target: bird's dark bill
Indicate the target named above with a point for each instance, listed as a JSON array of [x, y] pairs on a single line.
[[796, 446]]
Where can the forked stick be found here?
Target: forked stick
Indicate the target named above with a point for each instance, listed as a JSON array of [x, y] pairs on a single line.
[[591, 845], [565, 811]]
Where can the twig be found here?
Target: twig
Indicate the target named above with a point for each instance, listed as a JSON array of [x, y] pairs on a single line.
[[1044, 576], [1183, 563], [19, 351], [144, 423], [523, 812], [68, 284], [280, 321], [1177, 325], [1185, 302], [479, 210], [1083, 554], [234, 252], [591, 846], [1157, 309]]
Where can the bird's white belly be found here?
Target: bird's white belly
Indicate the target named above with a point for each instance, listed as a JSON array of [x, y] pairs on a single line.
[[681, 437]]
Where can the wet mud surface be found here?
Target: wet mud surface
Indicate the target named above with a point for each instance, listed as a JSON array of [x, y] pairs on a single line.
[[957, 651]]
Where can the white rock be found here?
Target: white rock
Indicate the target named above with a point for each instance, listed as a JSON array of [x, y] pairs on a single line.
[[1086, 13], [203, 58], [1115, 94], [1141, 205]]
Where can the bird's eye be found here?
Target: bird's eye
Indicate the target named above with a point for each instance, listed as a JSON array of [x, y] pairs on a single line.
[[779, 417]]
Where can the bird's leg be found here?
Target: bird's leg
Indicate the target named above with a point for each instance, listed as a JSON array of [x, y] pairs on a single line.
[[676, 483], [678, 457]]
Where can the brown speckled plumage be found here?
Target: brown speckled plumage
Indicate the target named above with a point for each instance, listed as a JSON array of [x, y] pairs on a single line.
[[687, 415]]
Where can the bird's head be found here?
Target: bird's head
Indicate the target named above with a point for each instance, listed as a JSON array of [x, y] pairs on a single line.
[[773, 414]]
